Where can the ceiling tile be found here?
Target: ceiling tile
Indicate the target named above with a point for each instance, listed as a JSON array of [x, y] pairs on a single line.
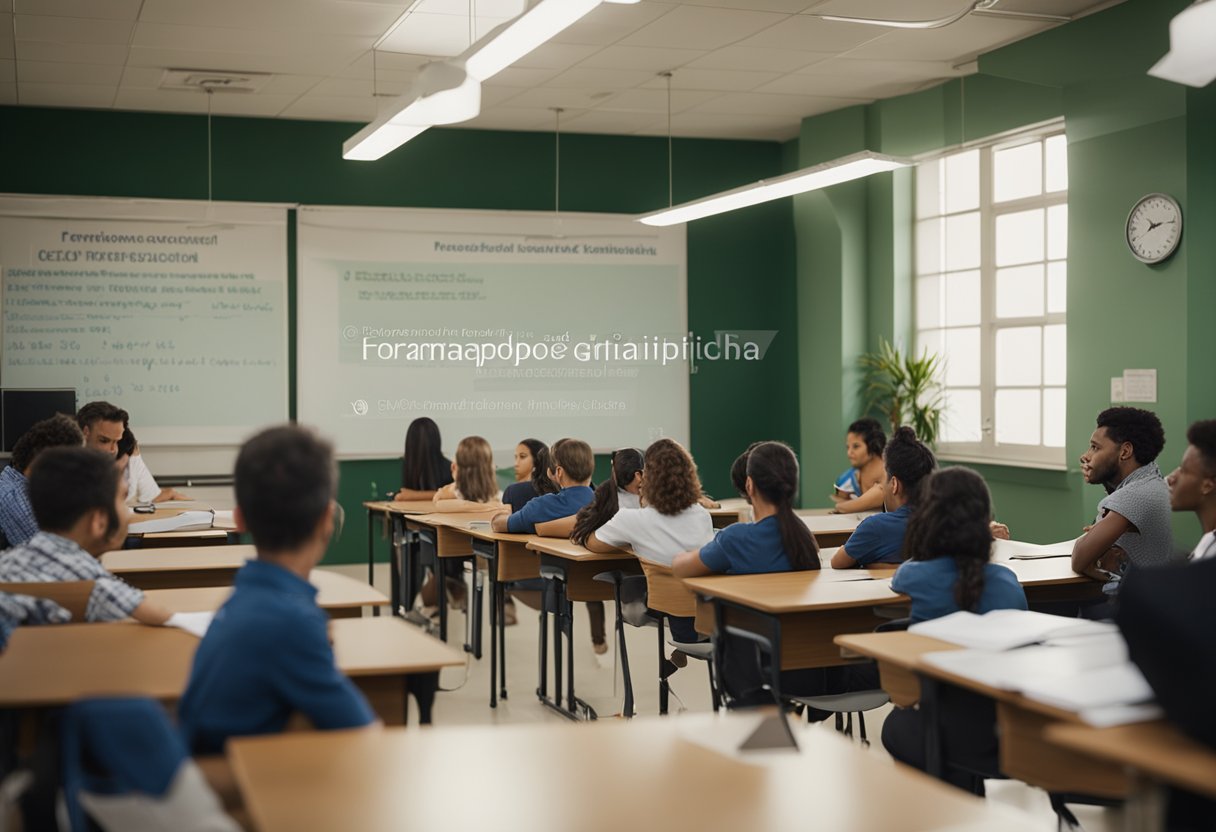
[[603, 121], [508, 118], [514, 76], [957, 42], [642, 57], [323, 16], [290, 84], [232, 62], [96, 9], [555, 56], [601, 79], [835, 86], [145, 77], [8, 71], [430, 34], [655, 101], [890, 9], [592, 34], [691, 27], [750, 58], [879, 70], [40, 72], [713, 79], [250, 104], [215, 39], [6, 34], [547, 97], [709, 125], [783, 6], [361, 87], [797, 106], [66, 95], [163, 101], [73, 30], [493, 96], [813, 35], [404, 61], [8, 93], [331, 109], [71, 53]]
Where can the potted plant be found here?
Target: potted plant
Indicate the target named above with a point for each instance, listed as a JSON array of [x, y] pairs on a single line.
[[904, 389]]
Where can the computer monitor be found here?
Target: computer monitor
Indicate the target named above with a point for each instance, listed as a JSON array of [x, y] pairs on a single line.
[[20, 409]]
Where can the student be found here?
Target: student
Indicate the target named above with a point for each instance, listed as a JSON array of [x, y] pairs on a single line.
[[1192, 485], [266, 655], [948, 545], [671, 521], [79, 500], [102, 425], [141, 485], [475, 488], [860, 487], [949, 542], [880, 538], [17, 521], [531, 463], [570, 465], [424, 468], [1133, 522]]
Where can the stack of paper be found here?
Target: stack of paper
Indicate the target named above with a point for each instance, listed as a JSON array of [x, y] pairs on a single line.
[[1017, 550], [1006, 629], [195, 623], [187, 521]]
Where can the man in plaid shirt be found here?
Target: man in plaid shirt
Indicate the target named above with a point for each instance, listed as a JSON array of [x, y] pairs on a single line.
[[17, 521], [78, 496]]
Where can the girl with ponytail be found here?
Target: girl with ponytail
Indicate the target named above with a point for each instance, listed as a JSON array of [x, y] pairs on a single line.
[[948, 544]]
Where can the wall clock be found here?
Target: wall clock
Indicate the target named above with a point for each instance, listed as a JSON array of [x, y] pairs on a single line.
[[1154, 228]]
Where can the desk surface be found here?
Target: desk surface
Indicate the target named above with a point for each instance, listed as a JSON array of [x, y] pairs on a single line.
[[179, 558], [334, 592], [460, 523], [568, 550], [601, 777], [783, 592], [1158, 750], [400, 506], [56, 664]]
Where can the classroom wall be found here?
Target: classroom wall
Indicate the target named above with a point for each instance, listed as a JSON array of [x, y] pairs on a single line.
[[1129, 134], [740, 267]]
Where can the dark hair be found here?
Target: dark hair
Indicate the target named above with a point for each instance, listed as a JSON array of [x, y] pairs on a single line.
[[423, 465], [1142, 428], [738, 471], [773, 470], [68, 483], [59, 431], [871, 433], [534, 446], [952, 522], [575, 458], [126, 443], [1201, 434], [671, 484], [285, 481], [604, 505], [540, 468], [95, 412], [475, 477], [910, 460]]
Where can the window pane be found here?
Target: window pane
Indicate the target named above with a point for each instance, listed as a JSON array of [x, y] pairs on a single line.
[[963, 242], [1019, 356], [962, 356], [1057, 163], [962, 299], [1019, 237], [963, 181], [1017, 417], [1017, 172], [1019, 291], [1055, 354], [928, 302], [930, 242], [929, 189], [929, 341], [1057, 287], [961, 416], [1053, 417], [1057, 232]]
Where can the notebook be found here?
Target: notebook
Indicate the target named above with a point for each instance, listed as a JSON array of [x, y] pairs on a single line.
[[1006, 629]]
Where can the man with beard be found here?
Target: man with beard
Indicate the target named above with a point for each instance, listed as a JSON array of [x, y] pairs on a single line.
[[1133, 521]]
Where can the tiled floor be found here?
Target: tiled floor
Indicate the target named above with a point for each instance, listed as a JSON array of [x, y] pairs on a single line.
[[464, 699]]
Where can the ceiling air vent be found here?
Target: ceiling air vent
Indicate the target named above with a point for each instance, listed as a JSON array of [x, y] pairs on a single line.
[[200, 79]]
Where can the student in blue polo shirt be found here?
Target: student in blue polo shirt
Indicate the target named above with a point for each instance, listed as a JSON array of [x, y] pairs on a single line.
[[571, 465], [880, 538], [266, 655]]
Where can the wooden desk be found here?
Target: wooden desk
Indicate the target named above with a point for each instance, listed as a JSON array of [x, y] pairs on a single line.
[[833, 529], [392, 513], [1026, 753], [534, 777], [734, 510], [338, 595], [57, 664], [431, 539], [570, 570], [178, 567]]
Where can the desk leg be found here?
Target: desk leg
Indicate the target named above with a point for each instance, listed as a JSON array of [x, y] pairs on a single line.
[[542, 660], [371, 553], [397, 559], [664, 672], [473, 617], [929, 691], [423, 687], [502, 636], [559, 604]]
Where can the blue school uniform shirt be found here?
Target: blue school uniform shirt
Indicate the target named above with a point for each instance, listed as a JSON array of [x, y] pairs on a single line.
[[265, 657], [519, 494], [549, 507], [930, 585], [879, 538], [747, 549], [849, 482]]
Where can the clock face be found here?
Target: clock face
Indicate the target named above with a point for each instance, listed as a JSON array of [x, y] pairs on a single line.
[[1154, 228]]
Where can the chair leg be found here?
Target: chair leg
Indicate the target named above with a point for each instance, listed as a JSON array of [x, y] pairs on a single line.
[[861, 723], [848, 725], [839, 720], [666, 668], [626, 679], [713, 686]]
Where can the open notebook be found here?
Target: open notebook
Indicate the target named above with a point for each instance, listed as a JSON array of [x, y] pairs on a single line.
[[187, 521], [1006, 629], [1017, 550]]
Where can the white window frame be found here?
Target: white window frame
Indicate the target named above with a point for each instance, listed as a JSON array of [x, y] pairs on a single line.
[[987, 451]]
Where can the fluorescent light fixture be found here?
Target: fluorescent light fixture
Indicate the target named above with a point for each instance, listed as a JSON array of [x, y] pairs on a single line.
[[1192, 57], [443, 93], [844, 169], [510, 41]]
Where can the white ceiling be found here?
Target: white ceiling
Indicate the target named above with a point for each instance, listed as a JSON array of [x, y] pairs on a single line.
[[749, 69]]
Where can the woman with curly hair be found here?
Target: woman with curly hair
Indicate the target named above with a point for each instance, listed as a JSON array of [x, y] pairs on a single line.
[[860, 487]]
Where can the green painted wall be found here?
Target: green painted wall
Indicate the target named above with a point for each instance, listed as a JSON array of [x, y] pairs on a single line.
[[740, 267], [1129, 134]]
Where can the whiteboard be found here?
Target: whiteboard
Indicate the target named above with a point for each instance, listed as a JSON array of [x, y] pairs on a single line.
[[393, 304], [175, 311]]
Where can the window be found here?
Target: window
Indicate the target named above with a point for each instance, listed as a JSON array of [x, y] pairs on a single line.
[[991, 276]]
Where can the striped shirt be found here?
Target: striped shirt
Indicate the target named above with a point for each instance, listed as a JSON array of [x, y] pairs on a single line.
[[17, 520], [49, 557], [16, 610]]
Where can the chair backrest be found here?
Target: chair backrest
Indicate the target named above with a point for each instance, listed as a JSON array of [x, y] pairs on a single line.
[[73, 596]]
